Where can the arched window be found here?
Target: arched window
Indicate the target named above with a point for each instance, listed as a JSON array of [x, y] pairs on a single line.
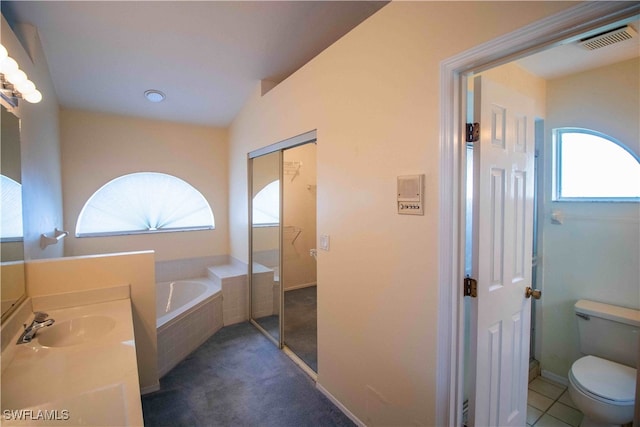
[[145, 202], [266, 205], [10, 210], [591, 166]]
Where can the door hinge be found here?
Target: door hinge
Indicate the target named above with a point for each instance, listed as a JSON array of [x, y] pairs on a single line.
[[470, 287], [473, 132]]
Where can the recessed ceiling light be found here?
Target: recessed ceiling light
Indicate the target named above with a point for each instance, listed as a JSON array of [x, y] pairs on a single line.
[[154, 95]]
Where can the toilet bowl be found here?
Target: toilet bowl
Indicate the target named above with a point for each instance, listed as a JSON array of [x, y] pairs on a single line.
[[603, 390]]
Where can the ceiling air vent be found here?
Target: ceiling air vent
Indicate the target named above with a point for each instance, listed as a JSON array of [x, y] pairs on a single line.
[[610, 37]]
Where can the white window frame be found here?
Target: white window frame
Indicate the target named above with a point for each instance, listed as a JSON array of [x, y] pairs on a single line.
[[143, 231], [557, 166]]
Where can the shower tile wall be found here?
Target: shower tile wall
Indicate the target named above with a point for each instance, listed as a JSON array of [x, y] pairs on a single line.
[[186, 333], [188, 268], [232, 278]]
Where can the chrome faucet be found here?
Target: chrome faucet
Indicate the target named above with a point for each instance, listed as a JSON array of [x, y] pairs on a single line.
[[40, 321]]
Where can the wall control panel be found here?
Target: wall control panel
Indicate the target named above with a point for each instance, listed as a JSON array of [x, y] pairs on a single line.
[[410, 194]]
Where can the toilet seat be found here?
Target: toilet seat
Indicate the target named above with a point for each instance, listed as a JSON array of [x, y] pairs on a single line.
[[604, 380]]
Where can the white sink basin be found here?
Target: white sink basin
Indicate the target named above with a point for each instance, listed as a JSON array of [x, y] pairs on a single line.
[[75, 331]]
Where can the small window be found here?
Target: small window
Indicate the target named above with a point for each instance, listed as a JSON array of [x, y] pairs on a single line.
[[266, 205], [10, 210], [145, 202], [591, 166]]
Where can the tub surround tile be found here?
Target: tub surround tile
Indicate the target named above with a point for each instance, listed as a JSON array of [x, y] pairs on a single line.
[[181, 336]]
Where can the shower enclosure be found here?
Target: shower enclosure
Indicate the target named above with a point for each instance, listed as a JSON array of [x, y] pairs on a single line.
[[282, 242]]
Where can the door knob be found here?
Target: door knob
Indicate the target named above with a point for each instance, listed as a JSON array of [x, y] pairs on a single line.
[[535, 293]]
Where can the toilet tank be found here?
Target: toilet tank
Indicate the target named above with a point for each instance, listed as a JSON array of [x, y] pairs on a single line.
[[609, 331]]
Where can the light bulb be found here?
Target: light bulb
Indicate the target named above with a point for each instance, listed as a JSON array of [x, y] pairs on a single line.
[[26, 87], [3, 52], [8, 65], [34, 97], [16, 77]]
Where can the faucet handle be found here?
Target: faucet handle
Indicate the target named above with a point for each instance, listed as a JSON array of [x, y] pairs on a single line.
[[40, 316]]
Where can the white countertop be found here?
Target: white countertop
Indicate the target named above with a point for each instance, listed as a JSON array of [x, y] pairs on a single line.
[[94, 382]]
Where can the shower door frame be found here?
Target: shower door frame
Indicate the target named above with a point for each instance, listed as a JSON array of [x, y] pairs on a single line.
[[302, 139]]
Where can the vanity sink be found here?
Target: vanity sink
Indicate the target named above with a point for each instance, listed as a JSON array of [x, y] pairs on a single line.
[[75, 331]]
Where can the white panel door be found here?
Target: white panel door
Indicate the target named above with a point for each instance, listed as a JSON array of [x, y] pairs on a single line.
[[503, 228]]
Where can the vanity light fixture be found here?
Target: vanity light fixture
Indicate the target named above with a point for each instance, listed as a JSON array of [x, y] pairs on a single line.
[[14, 83], [154, 95]]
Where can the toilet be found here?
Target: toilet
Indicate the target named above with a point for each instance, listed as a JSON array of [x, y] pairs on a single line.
[[602, 384]]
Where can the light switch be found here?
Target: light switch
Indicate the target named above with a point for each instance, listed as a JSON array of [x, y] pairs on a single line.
[[324, 242]]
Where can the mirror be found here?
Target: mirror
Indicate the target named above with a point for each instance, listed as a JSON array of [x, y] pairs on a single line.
[[299, 271], [265, 238], [12, 276]]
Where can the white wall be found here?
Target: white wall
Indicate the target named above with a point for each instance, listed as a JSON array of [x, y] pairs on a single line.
[[40, 144], [98, 147], [373, 98], [594, 254]]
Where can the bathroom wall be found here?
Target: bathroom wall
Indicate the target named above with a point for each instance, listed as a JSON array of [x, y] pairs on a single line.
[[299, 217], [47, 277], [40, 144], [98, 147], [373, 97], [594, 254]]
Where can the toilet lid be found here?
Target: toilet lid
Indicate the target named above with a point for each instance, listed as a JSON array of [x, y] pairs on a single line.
[[606, 379]]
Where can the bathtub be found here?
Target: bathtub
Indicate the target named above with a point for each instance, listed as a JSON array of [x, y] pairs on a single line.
[[188, 312]]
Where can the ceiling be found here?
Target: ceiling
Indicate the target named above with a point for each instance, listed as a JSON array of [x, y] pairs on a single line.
[[571, 57], [209, 56], [206, 56]]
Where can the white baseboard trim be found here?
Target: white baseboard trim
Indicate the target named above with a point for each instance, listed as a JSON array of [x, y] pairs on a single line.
[[554, 377], [340, 406], [304, 285], [150, 389]]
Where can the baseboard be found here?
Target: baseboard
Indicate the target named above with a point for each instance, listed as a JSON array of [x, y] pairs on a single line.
[[304, 285], [554, 377], [301, 363], [150, 389], [340, 406]]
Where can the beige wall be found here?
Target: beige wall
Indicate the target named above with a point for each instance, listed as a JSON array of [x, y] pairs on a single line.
[[594, 254], [47, 277], [373, 97], [97, 148], [40, 144]]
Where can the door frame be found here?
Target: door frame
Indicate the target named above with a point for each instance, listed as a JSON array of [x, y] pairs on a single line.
[[566, 26]]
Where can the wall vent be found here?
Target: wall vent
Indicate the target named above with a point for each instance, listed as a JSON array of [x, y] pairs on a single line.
[[608, 38]]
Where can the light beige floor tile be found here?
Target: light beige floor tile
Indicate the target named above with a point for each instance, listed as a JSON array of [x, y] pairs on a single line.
[[538, 401], [546, 388], [548, 421], [566, 399], [533, 415], [565, 413]]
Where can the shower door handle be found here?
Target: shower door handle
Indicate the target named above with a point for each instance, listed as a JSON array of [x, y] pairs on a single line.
[[535, 293]]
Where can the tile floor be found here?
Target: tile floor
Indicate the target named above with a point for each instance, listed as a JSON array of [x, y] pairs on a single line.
[[549, 405]]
